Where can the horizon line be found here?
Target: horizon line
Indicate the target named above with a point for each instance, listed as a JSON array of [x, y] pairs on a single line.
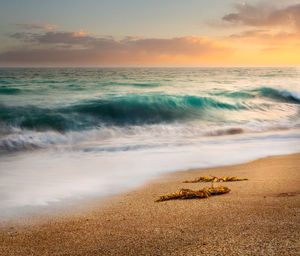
[[229, 66]]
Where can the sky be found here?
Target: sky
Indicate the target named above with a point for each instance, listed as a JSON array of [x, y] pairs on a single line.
[[149, 33]]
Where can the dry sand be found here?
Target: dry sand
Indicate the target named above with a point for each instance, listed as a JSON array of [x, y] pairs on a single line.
[[258, 217]]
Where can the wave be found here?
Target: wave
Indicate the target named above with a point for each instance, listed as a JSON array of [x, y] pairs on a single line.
[[22, 140], [8, 90], [122, 110], [140, 109], [29, 141], [282, 95], [132, 84], [238, 94], [96, 139], [133, 137]]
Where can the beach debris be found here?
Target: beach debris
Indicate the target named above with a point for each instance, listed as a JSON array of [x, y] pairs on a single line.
[[185, 193], [214, 179]]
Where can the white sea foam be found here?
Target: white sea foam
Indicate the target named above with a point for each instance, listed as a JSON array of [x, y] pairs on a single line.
[[39, 178], [151, 135]]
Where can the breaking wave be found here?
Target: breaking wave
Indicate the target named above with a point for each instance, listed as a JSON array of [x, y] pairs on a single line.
[[126, 110]]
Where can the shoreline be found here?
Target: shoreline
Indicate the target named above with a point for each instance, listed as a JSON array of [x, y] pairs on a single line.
[[258, 217]]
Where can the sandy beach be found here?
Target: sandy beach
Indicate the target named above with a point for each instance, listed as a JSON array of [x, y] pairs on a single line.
[[258, 217]]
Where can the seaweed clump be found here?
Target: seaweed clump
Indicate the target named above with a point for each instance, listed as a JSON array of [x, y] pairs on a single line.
[[185, 193], [214, 179]]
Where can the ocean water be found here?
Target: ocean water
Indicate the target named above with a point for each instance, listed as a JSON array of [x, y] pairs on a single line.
[[77, 132]]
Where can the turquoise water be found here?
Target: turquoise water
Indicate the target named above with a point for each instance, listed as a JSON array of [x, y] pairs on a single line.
[[112, 129]]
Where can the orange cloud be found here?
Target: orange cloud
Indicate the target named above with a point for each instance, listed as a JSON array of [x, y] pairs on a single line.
[[266, 36], [252, 47], [65, 48], [49, 27], [80, 33]]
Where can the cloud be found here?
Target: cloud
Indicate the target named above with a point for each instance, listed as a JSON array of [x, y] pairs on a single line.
[[37, 26], [264, 14], [81, 48], [266, 36], [68, 38]]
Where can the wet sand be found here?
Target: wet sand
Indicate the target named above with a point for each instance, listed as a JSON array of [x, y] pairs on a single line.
[[258, 217]]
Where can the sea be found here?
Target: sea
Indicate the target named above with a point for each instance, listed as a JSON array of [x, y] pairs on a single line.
[[77, 133]]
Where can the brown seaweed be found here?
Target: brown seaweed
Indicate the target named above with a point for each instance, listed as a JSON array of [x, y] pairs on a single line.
[[185, 193], [214, 179]]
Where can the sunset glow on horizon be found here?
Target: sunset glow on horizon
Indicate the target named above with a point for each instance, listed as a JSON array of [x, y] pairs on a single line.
[[250, 33]]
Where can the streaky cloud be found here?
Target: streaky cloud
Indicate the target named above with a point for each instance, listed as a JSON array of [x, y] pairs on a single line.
[[64, 48], [37, 26]]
